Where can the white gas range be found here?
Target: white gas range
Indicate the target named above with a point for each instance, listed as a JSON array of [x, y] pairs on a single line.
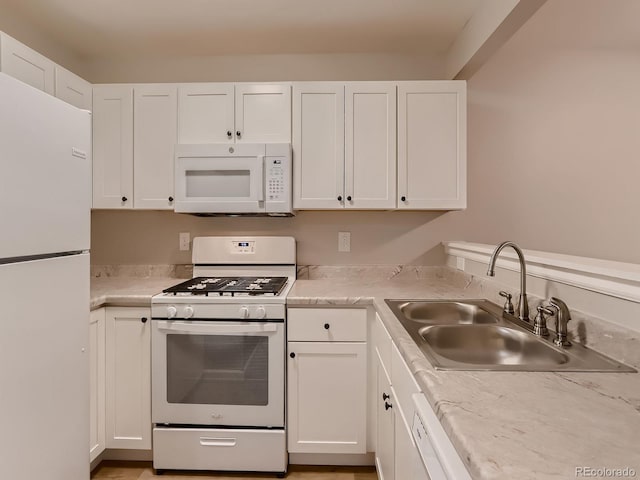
[[218, 358]]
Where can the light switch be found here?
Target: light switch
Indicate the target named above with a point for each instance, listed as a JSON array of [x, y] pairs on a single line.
[[185, 240], [344, 241]]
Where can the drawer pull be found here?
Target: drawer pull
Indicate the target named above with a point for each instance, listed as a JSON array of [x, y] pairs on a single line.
[[217, 442], [387, 406], [327, 326], [385, 396]]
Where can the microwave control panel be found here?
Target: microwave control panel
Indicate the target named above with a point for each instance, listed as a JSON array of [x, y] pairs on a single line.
[[278, 184]]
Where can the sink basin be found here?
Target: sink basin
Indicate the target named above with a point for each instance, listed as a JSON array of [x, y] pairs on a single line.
[[476, 335], [440, 313], [490, 345]]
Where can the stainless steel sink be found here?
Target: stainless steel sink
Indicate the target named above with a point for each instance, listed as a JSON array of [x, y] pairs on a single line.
[[474, 335]]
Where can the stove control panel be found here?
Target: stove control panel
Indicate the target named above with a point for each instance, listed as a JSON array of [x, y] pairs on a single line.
[[244, 246], [230, 311]]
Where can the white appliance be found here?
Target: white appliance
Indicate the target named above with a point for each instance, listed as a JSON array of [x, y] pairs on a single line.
[[218, 358], [45, 179], [233, 179]]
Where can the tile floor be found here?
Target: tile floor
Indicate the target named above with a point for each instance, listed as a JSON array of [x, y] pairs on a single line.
[[109, 470]]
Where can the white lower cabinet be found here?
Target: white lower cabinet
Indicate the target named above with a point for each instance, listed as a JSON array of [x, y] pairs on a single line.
[[96, 383], [327, 381], [385, 444], [128, 378]]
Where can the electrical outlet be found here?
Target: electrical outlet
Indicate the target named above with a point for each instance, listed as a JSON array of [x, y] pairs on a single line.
[[344, 241], [185, 240]]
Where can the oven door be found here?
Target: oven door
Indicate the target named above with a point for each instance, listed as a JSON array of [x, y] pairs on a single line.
[[224, 373], [219, 184]]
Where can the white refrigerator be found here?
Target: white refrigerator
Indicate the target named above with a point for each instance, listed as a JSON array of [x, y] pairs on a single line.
[[45, 194]]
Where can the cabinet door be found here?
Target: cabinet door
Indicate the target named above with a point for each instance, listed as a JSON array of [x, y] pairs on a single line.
[[128, 378], [206, 113], [385, 420], [327, 384], [432, 145], [96, 383], [318, 145], [263, 113], [370, 145], [26, 64], [112, 146], [73, 89], [154, 138]]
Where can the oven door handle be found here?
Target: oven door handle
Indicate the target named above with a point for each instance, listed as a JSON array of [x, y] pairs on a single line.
[[212, 328]]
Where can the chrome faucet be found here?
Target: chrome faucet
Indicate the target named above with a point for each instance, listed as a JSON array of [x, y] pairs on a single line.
[[523, 305], [562, 318]]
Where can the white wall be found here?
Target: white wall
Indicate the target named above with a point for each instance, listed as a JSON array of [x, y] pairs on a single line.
[[554, 142]]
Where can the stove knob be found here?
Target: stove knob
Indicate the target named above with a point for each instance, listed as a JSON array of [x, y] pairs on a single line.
[[188, 311], [244, 312], [171, 311], [261, 312]]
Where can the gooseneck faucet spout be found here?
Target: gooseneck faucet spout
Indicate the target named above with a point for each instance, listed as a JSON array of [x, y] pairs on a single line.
[[523, 305]]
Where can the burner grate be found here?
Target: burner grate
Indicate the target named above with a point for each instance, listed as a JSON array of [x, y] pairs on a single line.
[[230, 286]]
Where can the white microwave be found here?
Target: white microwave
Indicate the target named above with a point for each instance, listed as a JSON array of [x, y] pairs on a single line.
[[220, 179]]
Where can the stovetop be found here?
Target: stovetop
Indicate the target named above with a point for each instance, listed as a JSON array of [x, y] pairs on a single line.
[[229, 286]]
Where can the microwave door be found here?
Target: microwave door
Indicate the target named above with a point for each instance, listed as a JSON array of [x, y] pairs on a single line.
[[220, 185]]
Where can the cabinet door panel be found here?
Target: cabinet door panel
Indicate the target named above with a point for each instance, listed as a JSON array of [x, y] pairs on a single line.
[[155, 114], [112, 146], [96, 383], [327, 397], [385, 437], [263, 113], [432, 145], [206, 113], [371, 146], [73, 89], [318, 145], [26, 64], [128, 378]]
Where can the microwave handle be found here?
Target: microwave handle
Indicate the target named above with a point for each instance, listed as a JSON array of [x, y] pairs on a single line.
[[213, 328], [262, 176]]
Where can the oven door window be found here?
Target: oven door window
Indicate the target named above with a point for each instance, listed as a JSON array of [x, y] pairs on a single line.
[[218, 369]]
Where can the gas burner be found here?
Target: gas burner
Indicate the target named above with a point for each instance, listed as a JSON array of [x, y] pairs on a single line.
[[230, 286]]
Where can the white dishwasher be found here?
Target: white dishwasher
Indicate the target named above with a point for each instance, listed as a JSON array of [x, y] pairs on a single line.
[[439, 457]]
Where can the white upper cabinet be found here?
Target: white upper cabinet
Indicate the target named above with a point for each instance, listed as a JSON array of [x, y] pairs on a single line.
[[73, 89], [154, 139], [370, 137], [113, 146], [25, 64], [206, 113], [240, 113], [318, 145], [432, 145]]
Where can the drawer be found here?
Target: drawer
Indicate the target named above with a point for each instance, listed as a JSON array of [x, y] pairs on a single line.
[[403, 383], [327, 324], [219, 449], [382, 343]]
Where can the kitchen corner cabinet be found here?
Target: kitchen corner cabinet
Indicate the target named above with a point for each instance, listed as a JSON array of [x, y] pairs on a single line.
[[432, 145], [73, 89], [155, 111], [234, 113], [97, 361], [113, 146], [344, 145], [128, 378], [327, 381], [25, 64]]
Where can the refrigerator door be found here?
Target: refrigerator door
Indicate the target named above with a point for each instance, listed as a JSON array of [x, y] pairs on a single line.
[[45, 173], [44, 369]]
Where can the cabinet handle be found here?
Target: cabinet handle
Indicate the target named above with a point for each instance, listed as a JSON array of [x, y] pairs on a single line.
[[339, 198], [403, 198], [238, 134], [144, 319], [171, 199], [124, 199], [327, 326], [229, 133], [292, 355], [387, 406], [349, 198], [385, 396]]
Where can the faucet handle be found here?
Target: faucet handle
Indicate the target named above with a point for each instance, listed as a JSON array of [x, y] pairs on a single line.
[[508, 306], [540, 322]]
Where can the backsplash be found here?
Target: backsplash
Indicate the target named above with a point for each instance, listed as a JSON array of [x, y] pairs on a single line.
[[142, 271]]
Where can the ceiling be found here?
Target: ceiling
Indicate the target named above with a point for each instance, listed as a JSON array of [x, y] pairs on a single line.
[[108, 28]]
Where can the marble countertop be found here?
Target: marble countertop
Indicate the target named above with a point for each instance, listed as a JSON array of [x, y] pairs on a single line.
[[504, 425]]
